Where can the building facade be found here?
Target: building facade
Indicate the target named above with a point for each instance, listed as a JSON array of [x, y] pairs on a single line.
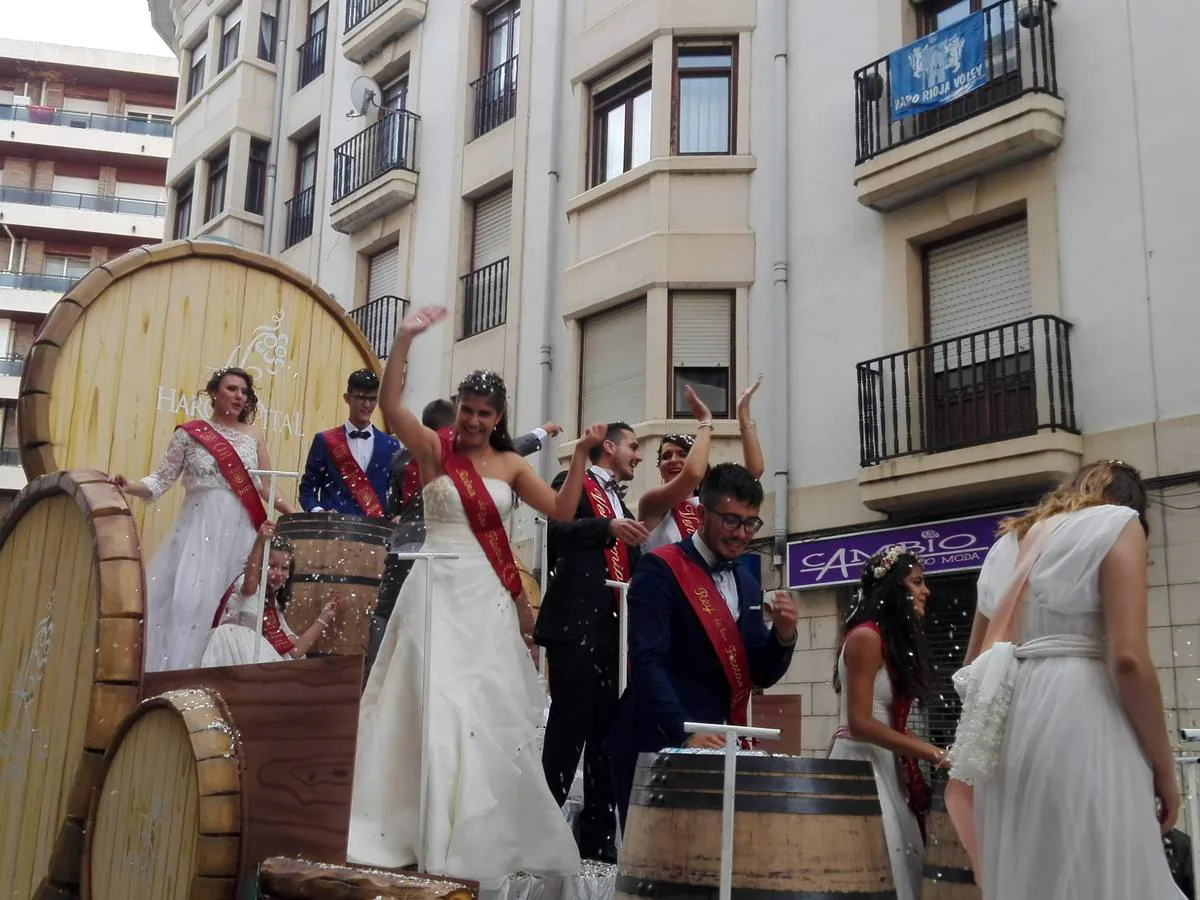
[[963, 271], [85, 136]]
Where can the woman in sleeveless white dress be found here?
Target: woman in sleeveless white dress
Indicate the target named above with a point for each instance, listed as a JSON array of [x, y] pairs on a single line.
[[488, 811], [1069, 813]]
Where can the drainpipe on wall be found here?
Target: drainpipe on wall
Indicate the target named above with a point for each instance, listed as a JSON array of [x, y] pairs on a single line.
[[777, 179], [277, 127], [12, 248]]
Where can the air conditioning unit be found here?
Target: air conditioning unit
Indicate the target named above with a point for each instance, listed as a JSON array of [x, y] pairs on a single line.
[[21, 100]]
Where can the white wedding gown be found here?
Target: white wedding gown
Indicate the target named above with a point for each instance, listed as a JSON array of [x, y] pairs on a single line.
[[1070, 813], [489, 812]]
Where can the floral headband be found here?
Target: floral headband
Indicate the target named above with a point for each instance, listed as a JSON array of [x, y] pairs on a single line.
[[879, 564]]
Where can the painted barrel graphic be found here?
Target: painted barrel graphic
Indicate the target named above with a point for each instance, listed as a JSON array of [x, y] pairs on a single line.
[[124, 356], [70, 667], [166, 820]]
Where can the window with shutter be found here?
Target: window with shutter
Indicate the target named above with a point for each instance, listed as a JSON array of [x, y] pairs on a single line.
[[493, 217], [613, 366], [384, 274], [701, 350]]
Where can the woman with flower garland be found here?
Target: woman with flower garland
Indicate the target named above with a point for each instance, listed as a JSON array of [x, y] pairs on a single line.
[[884, 668]]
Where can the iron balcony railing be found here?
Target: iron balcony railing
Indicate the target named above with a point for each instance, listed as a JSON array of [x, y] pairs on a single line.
[[10, 456], [312, 58], [378, 321], [992, 385], [299, 215], [1019, 54], [485, 297], [45, 115], [94, 202], [23, 281], [358, 10], [387, 145], [12, 365], [495, 97]]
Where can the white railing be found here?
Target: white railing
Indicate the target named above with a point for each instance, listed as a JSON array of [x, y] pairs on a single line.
[[260, 596]]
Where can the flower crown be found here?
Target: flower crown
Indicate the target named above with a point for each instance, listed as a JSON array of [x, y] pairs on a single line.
[[879, 564]]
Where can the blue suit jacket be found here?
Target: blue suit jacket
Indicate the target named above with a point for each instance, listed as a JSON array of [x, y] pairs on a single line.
[[322, 485], [675, 675]]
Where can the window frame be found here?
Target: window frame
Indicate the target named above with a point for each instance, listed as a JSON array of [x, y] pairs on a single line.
[[197, 60], [256, 187], [307, 147], [928, 12], [505, 14], [697, 47], [682, 411], [623, 93], [230, 39], [218, 177], [268, 22], [183, 203]]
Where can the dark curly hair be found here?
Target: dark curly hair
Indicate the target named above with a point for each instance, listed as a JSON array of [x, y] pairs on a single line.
[[250, 410], [489, 387], [885, 601], [283, 596]]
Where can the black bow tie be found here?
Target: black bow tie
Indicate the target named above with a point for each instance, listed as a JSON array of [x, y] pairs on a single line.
[[619, 488], [360, 434], [723, 565]]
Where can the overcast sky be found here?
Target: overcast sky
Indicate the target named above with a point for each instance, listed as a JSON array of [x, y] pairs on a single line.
[[102, 24]]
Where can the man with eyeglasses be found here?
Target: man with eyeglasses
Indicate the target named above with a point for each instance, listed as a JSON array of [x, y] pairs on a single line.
[[348, 466], [698, 642]]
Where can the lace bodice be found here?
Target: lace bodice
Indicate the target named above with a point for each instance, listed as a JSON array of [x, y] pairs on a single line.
[[186, 457], [446, 520]]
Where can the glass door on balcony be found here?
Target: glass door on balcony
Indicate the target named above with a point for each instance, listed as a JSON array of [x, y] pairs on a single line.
[[496, 89], [393, 136], [486, 285]]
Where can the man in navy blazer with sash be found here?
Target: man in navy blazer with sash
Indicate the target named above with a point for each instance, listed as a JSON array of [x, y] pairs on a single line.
[[349, 466], [698, 642]]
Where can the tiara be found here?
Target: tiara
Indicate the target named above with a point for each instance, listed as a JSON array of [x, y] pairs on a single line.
[[682, 440], [879, 564], [483, 382]]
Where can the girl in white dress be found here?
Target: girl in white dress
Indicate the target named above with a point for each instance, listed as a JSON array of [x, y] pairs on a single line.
[[882, 669], [1069, 811], [488, 811], [213, 533], [235, 639], [671, 511]]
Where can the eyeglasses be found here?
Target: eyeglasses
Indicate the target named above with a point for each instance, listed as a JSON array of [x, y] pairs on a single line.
[[364, 398], [731, 522]]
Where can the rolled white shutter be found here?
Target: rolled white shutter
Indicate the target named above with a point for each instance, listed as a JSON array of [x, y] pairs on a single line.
[[493, 218], [700, 326], [384, 275], [614, 366]]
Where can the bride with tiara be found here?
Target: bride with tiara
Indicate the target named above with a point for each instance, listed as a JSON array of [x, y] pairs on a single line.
[[488, 811]]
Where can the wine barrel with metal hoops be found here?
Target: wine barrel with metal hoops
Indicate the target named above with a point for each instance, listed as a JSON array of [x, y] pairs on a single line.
[[802, 828], [335, 554], [947, 873]]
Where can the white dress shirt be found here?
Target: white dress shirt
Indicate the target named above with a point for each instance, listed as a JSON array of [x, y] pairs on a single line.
[[725, 581], [607, 481], [362, 449]]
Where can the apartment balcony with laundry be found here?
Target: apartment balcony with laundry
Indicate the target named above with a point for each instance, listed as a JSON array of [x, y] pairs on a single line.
[[372, 23], [133, 136], [980, 416], [86, 213], [31, 294], [977, 93], [375, 172], [378, 320]]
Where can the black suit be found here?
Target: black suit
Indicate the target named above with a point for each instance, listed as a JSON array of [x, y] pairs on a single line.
[[578, 626]]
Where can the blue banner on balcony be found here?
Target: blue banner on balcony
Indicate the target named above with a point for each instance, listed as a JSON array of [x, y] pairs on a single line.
[[939, 68]]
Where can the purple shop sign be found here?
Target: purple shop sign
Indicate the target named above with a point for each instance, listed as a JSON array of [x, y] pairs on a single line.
[[953, 545]]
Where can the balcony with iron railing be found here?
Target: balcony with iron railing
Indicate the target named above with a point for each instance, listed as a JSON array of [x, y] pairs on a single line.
[[494, 98], [958, 124], [378, 321], [375, 173], [93, 202], [485, 298], [298, 217], [312, 59], [372, 23], [945, 406], [48, 115]]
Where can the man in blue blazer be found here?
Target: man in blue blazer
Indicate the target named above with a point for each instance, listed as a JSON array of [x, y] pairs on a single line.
[[348, 466], [698, 642]]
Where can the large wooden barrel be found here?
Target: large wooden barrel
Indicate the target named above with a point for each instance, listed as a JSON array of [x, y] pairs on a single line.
[[165, 822], [282, 878], [124, 356], [803, 827], [947, 874], [70, 665], [336, 554]]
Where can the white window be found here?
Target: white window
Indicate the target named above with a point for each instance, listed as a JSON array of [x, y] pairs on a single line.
[[383, 277], [613, 366], [70, 266], [231, 30], [69, 184], [702, 350], [129, 190], [493, 218], [621, 110]]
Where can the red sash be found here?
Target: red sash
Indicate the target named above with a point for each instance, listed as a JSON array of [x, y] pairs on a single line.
[[353, 476], [231, 467], [687, 519], [410, 481], [708, 604], [272, 627], [482, 514], [616, 557]]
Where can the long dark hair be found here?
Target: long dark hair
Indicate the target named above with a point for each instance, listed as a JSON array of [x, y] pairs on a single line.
[[489, 387], [283, 596], [250, 410], [883, 599]]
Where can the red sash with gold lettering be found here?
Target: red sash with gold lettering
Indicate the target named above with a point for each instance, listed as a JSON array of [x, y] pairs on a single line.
[[272, 627], [353, 476], [718, 623], [687, 519], [231, 467], [482, 514], [616, 557]]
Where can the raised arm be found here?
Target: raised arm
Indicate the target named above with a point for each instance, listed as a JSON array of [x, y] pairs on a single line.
[[752, 455], [658, 502], [252, 572], [422, 442], [559, 506]]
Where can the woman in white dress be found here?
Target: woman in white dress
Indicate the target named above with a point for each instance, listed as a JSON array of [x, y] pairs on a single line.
[[671, 511], [882, 670], [1069, 811], [488, 811], [215, 528], [235, 639]]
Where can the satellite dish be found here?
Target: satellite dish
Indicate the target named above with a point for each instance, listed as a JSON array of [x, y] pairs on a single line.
[[364, 93]]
